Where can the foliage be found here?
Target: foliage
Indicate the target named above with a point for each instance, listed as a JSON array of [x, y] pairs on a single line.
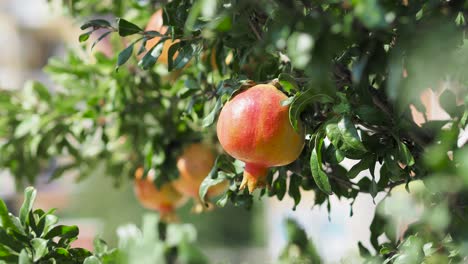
[[299, 248], [35, 237], [352, 70]]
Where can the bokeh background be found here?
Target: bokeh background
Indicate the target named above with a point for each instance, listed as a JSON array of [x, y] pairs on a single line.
[[34, 31]]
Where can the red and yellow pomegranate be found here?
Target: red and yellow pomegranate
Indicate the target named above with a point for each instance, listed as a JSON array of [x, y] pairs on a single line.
[[156, 24], [164, 200], [254, 127], [194, 165]]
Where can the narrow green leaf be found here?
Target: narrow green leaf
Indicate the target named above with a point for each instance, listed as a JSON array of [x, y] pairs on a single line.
[[344, 137], [363, 164], [208, 182], [96, 23], [29, 198], [29, 125], [288, 83], [124, 55], [100, 38], [404, 154], [127, 28], [448, 101], [294, 190], [214, 177], [373, 188], [63, 232], [301, 101], [5, 220], [363, 251], [40, 248], [92, 260], [84, 37], [320, 178], [24, 258], [185, 53], [152, 55], [100, 246], [224, 199], [279, 187], [211, 117], [9, 241]]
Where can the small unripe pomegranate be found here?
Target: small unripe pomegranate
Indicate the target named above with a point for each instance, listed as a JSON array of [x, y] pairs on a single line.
[[194, 165], [164, 200], [156, 24], [254, 127]]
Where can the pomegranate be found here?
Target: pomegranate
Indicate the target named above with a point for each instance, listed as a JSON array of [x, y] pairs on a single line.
[[194, 165], [254, 127], [156, 24], [164, 200]]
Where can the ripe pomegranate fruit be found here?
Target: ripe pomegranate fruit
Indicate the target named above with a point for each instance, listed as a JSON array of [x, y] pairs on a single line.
[[254, 127], [164, 200], [156, 24], [194, 165]]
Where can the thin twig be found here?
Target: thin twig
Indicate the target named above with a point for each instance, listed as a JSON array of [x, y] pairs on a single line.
[[254, 29]]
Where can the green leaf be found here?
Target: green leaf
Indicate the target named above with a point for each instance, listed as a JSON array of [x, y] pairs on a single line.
[[92, 260], [448, 101], [9, 241], [294, 191], [189, 254], [185, 53], [208, 182], [100, 246], [344, 137], [211, 117], [30, 125], [373, 188], [84, 37], [288, 83], [152, 55], [100, 38], [301, 101], [278, 187], [222, 162], [124, 55], [29, 198], [224, 199], [63, 232], [40, 248], [127, 28], [320, 178], [370, 115], [460, 20], [404, 154], [98, 23], [384, 250], [363, 164], [363, 251], [79, 253], [5, 220], [24, 258]]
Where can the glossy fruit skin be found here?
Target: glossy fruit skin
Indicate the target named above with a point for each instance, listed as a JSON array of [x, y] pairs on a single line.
[[254, 127], [164, 200], [194, 165], [156, 24]]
